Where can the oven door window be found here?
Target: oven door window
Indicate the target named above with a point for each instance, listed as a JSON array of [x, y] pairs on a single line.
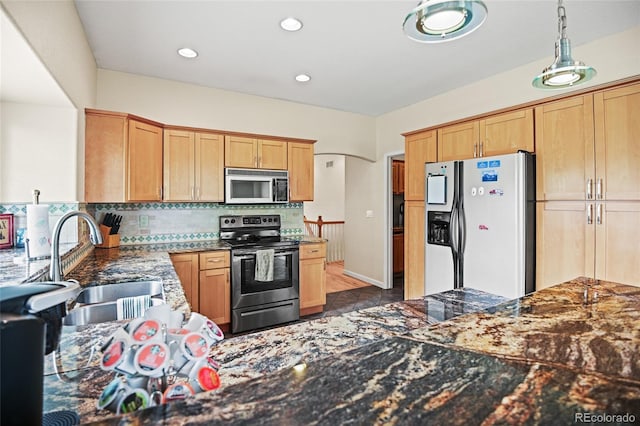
[[282, 274]]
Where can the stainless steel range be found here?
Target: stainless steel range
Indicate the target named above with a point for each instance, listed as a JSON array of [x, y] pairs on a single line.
[[264, 272]]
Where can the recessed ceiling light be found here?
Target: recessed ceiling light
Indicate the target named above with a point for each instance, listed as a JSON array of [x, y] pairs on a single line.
[[303, 78], [185, 52], [290, 24]]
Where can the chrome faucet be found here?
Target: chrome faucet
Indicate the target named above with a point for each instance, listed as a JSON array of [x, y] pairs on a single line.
[[55, 270]]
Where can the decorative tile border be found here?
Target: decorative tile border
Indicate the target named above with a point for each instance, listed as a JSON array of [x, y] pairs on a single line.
[[20, 209], [188, 205]]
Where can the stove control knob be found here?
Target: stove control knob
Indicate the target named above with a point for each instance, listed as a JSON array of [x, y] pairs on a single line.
[[264, 219], [226, 221], [233, 221]]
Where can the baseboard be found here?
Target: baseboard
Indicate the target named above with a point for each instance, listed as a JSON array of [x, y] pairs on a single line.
[[365, 279]]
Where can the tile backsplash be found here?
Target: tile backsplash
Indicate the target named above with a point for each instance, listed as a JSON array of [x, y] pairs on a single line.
[[148, 223], [68, 233]]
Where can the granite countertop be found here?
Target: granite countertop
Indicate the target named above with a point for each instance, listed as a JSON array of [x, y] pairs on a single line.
[[552, 357], [539, 359]]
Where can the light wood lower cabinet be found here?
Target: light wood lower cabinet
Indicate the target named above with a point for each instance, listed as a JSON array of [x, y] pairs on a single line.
[[592, 239], [206, 280], [186, 267], [414, 249], [313, 278]]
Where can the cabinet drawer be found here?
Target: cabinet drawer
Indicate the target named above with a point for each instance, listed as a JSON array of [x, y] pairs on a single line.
[[214, 259], [310, 251]]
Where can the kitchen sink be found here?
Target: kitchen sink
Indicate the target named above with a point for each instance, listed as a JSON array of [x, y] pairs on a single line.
[[100, 303], [97, 313], [113, 292]]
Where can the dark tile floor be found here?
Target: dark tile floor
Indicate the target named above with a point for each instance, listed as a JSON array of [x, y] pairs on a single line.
[[350, 300], [359, 298]]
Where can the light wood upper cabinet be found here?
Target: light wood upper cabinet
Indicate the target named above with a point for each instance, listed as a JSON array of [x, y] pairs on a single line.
[[123, 158], [253, 153], [617, 143], [496, 135], [420, 148], [459, 141], [507, 133], [179, 165], [144, 165], [565, 149], [414, 227], [272, 154], [301, 174], [193, 166]]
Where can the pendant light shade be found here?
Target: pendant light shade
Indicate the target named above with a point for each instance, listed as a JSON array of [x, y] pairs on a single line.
[[564, 71], [435, 21]]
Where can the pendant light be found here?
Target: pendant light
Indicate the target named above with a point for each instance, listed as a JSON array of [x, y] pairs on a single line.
[[564, 71], [435, 21]]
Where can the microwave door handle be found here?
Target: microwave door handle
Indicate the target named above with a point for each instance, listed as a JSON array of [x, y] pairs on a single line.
[[273, 190]]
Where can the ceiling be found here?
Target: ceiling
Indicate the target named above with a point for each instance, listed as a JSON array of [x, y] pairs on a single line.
[[355, 51]]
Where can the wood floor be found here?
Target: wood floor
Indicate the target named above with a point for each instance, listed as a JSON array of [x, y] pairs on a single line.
[[337, 281]]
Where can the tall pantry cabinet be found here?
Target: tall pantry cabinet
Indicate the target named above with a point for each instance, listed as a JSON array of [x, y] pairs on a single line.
[[420, 148], [588, 187]]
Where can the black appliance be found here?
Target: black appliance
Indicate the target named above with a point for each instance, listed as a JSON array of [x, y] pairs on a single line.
[[30, 324], [256, 301]]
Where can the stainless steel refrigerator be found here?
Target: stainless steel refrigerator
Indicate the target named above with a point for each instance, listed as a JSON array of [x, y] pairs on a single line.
[[480, 225]]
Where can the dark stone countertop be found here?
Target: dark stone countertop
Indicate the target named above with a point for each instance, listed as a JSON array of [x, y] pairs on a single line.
[[76, 381], [459, 357], [552, 357]]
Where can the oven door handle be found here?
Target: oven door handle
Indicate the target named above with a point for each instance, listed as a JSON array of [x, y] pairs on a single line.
[[250, 256]]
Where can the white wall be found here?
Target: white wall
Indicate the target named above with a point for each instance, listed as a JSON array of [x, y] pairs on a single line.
[[363, 235], [39, 152], [54, 31], [184, 104], [329, 187]]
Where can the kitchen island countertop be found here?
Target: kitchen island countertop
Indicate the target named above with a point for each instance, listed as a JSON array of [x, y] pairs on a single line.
[[462, 356], [552, 357]]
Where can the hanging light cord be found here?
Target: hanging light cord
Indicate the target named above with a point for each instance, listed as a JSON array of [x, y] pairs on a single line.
[[562, 20]]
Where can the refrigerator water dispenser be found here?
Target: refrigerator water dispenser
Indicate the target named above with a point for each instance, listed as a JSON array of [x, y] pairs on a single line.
[[438, 228]]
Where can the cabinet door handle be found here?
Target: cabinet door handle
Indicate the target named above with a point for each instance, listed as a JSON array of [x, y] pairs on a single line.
[[590, 214], [314, 251], [599, 189], [193, 192], [214, 260], [475, 150], [324, 264], [589, 189], [481, 153], [599, 214]]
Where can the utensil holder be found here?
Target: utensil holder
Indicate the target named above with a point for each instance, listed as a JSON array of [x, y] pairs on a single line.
[[108, 240]]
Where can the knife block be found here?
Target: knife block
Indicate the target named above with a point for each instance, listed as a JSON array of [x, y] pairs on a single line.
[[108, 240]]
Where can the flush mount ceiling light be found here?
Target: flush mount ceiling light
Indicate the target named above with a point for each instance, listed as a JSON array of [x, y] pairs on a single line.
[[303, 78], [564, 71], [435, 21], [185, 52], [290, 24]]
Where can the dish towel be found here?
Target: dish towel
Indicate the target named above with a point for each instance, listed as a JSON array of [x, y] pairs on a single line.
[[264, 265]]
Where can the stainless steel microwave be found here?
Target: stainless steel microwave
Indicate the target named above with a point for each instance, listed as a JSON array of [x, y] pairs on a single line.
[[256, 186]]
